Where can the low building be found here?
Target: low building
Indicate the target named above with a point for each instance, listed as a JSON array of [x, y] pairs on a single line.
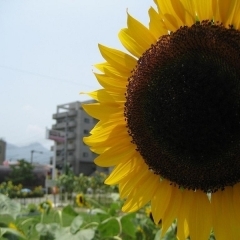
[[39, 175], [2, 151]]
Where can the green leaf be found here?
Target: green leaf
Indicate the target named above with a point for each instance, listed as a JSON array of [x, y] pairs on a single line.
[[98, 210], [2, 231], [53, 227], [41, 228], [11, 234], [102, 215], [45, 229], [70, 211], [170, 234], [8, 206], [128, 226], [158, 235], [85, 234], [64, 233], [114, 209], [109, 228], [76, 224]]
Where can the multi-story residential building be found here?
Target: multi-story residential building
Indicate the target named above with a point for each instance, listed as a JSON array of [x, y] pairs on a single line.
[[2, 151], [73, 123]]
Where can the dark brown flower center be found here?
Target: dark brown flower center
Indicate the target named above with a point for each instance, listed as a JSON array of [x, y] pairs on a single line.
[[183, 107]]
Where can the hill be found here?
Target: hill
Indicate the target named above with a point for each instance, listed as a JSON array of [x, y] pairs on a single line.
[[14, 153]]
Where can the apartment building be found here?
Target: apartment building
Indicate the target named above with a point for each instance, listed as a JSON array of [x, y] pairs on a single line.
[[73, 123]]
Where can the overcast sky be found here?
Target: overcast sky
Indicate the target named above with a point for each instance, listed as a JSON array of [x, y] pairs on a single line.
[[47, 52]]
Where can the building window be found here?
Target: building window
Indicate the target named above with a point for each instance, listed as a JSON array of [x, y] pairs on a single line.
[[85, 131], [70, 153], [86, 120], [85, 154]]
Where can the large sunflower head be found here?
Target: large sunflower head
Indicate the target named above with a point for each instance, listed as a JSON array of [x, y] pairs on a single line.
[[169, 116]]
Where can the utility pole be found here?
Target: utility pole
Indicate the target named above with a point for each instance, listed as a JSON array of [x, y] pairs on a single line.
[[34, 151], [65, 144]]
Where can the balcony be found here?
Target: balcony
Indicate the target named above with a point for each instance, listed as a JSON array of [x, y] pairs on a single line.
[[64, 114], [70, 159], [71, 135], [71, 124], [71, 146], [63, 125], [60, 147]]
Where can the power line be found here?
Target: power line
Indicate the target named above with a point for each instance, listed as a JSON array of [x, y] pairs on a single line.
[[43, 76]]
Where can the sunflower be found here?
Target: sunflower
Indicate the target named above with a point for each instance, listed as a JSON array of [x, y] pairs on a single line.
[[45, 206], [148, 212], [80, 201], [13, 231], [169, 116]]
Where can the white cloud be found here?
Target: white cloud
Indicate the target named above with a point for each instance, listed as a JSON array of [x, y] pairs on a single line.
[[28, 108], [35, 130], [34, 133]]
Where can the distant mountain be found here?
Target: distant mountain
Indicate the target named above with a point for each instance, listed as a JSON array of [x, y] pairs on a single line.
[[40, 154]]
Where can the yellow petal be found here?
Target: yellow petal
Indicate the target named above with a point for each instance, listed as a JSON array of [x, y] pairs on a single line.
[[234, 17], [190, 13], [101, 95], [108, 96], [111, 71], [179, 11], [130, 43], [101, 111], [102, 148], [111, 83], [183, 213], [110, 134], [224, 215], [203, 9], [224, 11], [199, 220], [182, 225], [142, 193], [172, 209], [172, 12], [121, 171], [140, 33], [161, 200], [170, 22], [236, 200], [118, 59], [182, 230], [116, 119], [156, 24], [131, 180], [115, 155]]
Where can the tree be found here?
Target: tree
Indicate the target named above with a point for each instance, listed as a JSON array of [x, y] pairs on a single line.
[[22, 173]]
